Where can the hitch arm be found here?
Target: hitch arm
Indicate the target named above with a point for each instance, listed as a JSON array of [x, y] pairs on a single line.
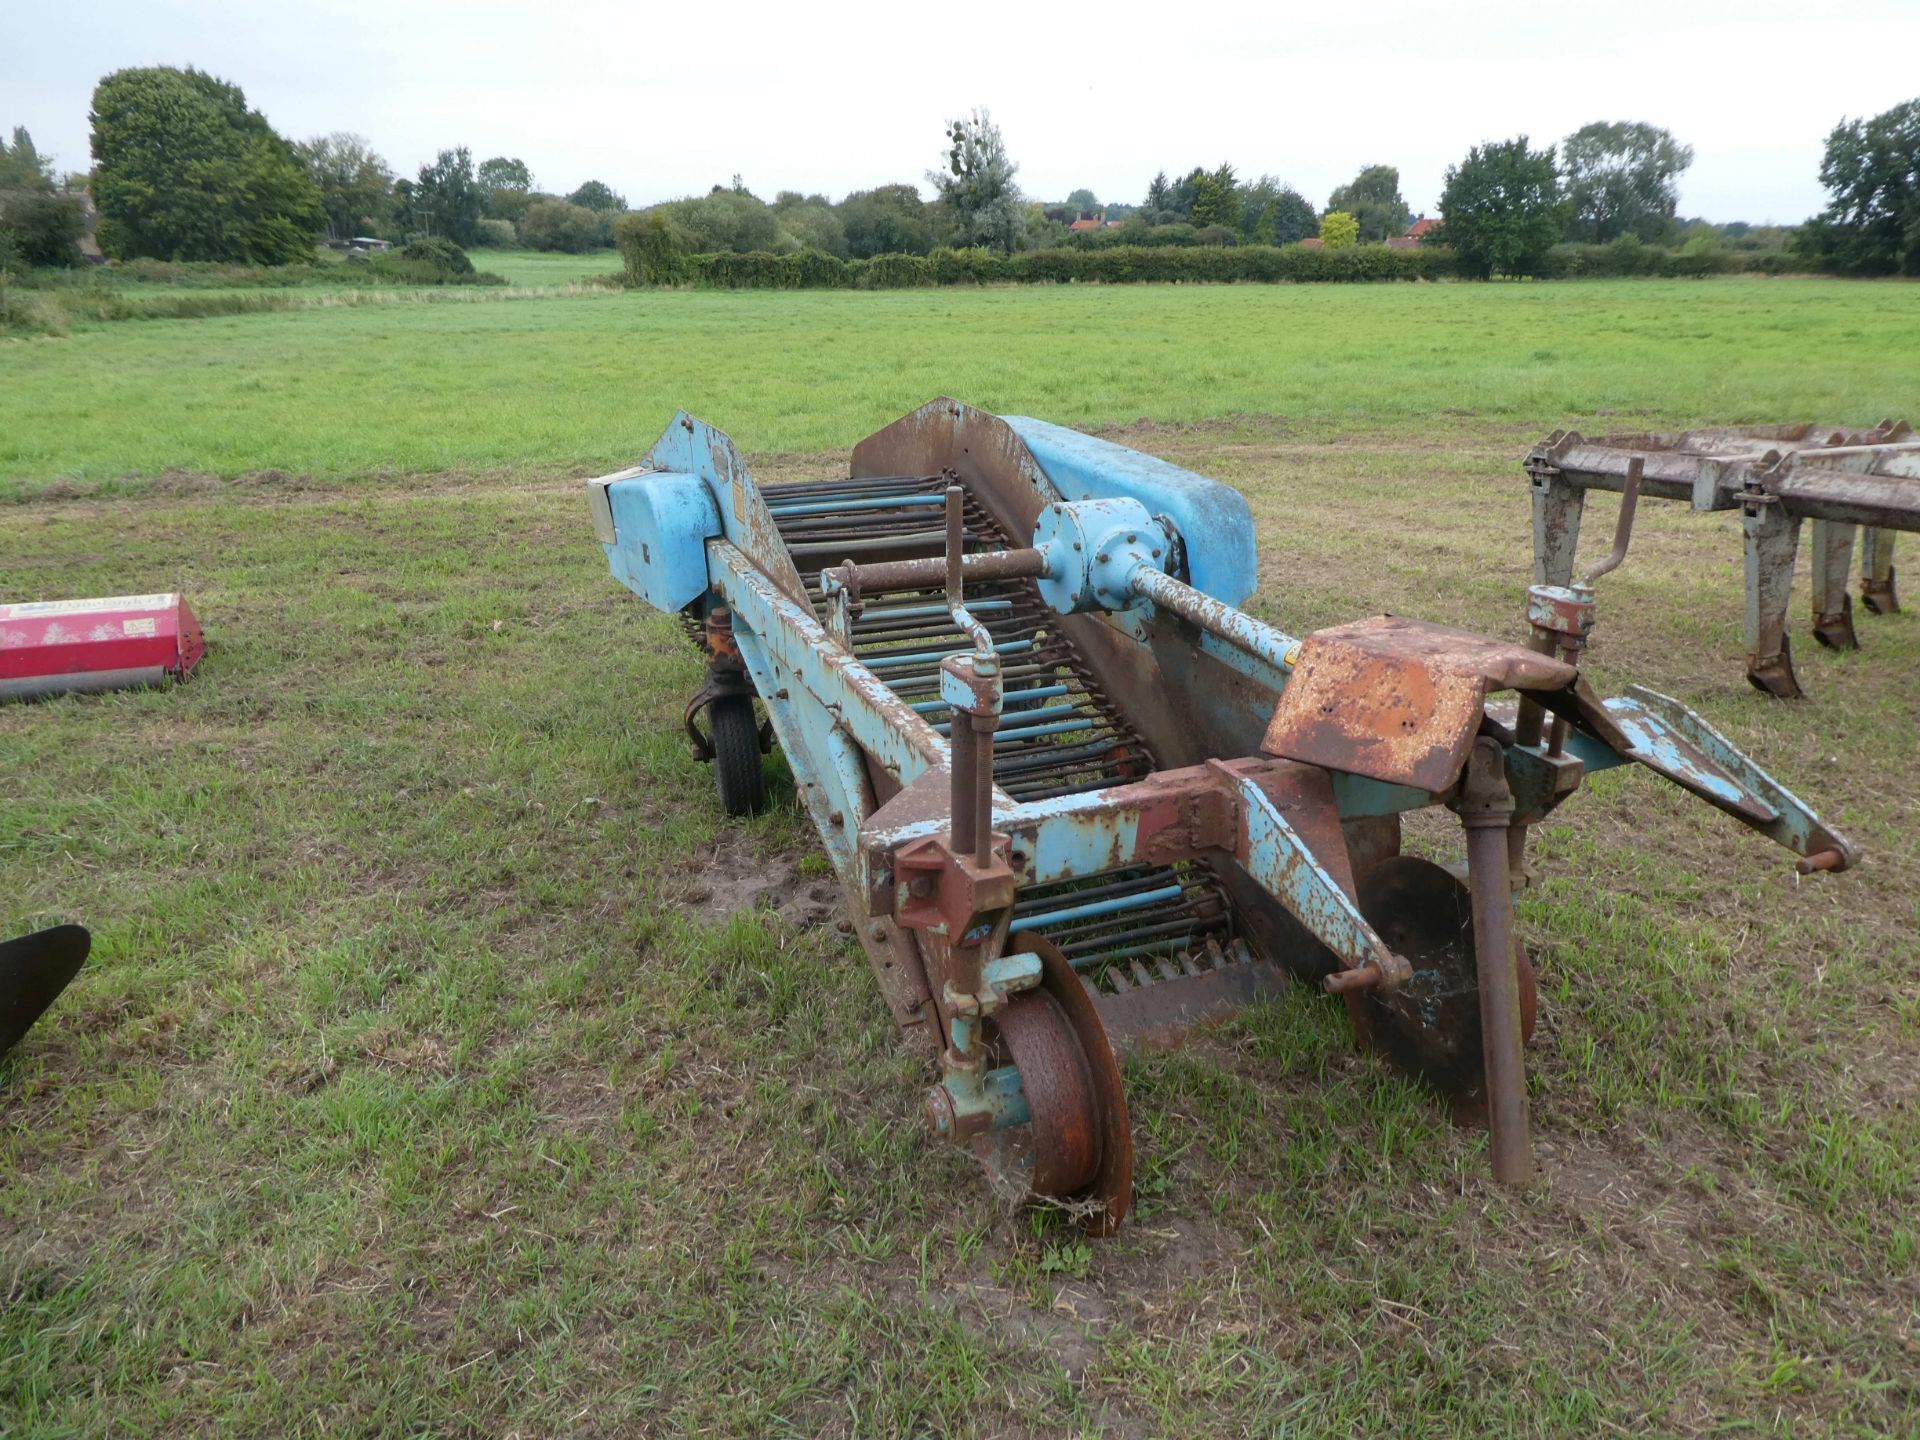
[[1672, 741]]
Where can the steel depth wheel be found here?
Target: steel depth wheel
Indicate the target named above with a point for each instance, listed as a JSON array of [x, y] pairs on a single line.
[[1430, 1028], [736, 755], [1077, 1148]]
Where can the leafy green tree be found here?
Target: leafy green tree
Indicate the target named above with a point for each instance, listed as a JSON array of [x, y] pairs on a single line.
[[447, 198], [810, 222], [1501, 210], [1288, 219], [1871, 225], [1339, 230], [1159, 198], [1216, 198], [598, 195], [655, 247], [890, 220], [39, 223], [729, 220], [559, 225], [507, 185], [22, 167], [1373, 199], [1040, 231], [977, 186], [183, 170], [1255, 197], [504, 172], [1182, 194], [814, 226], [1083, 202], [1619, 180], [355, 185]]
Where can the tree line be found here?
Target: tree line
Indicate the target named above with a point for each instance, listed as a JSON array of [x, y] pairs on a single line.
[[184, 169]]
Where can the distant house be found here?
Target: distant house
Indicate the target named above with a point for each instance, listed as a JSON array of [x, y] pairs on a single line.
[[1411, 240], [1086, 222], [1312, 242], [367, 244]]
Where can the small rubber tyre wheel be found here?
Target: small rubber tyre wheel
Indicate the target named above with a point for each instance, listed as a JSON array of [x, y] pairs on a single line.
[[736, 755]]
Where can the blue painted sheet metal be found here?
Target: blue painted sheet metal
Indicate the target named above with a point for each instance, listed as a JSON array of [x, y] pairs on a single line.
[[835, 794], [800, 652], [1673, 741], [662, 520], [691, 446], [1213, 519], [1357, 796], [1282, 864]]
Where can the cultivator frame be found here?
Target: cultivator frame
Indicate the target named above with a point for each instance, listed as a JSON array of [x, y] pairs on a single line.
[[1080, 802], [1774, 476]]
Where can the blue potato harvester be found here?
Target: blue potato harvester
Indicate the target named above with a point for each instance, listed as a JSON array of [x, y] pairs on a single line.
[[1080, 802]]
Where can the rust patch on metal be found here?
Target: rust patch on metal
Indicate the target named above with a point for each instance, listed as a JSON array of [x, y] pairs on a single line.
[[1399, 700]]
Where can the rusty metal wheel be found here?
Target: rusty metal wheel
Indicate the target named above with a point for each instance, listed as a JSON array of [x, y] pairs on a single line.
[[1077, 1149], [1431, 1027]]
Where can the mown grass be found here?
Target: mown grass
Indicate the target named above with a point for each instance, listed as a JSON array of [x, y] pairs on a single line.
[[546, 268], [447, 1064], [588, 381]]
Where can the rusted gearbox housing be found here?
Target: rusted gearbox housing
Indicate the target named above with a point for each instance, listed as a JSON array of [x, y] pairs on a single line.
[[1841, 478], [1081, 802]]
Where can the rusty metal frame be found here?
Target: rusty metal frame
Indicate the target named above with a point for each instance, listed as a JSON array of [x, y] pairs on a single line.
[[1773, 477]]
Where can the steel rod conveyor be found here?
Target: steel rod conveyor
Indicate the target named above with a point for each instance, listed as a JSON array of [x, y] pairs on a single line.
[[1080, 802]]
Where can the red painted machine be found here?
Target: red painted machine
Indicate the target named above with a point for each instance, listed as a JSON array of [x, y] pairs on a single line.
[[51, 646]]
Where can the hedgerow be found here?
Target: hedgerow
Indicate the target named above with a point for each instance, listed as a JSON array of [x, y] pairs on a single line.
[[1119, 265]]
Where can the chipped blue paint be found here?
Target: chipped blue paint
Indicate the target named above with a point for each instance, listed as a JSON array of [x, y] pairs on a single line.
[[836, 795], [1010, 974], [662, 521], [1279, 861], [997, 1094], [801, 652], [1212, 518], [1679, 744], [1072, 835], [1267, 644]]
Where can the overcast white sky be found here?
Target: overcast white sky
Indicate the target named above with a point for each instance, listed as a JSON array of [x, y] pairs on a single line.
[[663, 100]]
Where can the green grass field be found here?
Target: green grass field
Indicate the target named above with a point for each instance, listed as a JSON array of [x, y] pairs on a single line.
[[588, 381], [540, 267], [448, 1065]]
